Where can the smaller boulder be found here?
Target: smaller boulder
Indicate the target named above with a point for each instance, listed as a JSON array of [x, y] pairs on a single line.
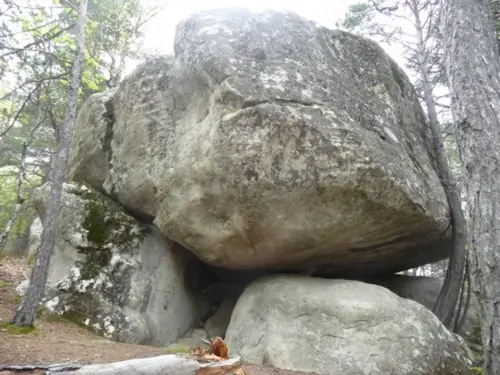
[[425, 290], [114, 274], [340, 327]]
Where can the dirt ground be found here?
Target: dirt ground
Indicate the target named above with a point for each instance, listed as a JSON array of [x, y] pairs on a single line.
[[60, 342]]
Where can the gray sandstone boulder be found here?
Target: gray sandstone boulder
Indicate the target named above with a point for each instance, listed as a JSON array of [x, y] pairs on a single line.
[[341, 327], [114, 274], [271, 143], [425, 290]]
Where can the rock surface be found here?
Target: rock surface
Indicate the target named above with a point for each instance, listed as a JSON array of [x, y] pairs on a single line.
[[271, 143], [117, 276], [217, 324], [35, 238], [425, 290], [340, 327]]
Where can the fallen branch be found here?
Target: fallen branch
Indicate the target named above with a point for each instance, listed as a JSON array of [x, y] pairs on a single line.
[[57, 367], [169, 364]]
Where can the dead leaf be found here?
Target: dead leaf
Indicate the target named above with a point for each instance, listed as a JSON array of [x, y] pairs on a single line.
[[219, 348]]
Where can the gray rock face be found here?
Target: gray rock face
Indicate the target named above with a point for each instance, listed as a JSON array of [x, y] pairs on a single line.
[[425, 290], [89, 160], [114, 274], [271, 143], [340, 327], [35, 238]]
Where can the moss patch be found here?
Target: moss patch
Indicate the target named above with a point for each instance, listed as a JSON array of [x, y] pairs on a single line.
[[16, 330], [4, 284], [107, 225], [96, 224], [31, 259], [107, 228], [70, 317], [177, 350]]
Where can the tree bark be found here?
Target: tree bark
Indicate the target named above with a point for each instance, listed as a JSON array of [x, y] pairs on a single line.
[[473, 67], [460, 322], [26, 311], [448, 297]]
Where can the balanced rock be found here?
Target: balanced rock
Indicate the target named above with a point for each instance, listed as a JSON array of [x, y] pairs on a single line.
[[121, 278], [341, 327], [270, 142]]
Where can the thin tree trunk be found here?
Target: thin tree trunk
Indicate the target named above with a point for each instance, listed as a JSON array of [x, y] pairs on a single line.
[[21, 174], [26, 311], [461, 320], [448, 297], [473, 67], [19, 200]]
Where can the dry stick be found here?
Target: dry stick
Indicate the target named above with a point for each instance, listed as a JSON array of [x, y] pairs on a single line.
[[54, 367]]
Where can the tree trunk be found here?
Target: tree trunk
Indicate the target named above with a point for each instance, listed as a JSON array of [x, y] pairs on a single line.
[[448, 297], [20, 182], [19, 200], [473, 67], [460, 322], [26, 311]]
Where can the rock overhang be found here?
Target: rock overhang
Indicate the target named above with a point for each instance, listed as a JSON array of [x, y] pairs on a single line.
[[271, 142]]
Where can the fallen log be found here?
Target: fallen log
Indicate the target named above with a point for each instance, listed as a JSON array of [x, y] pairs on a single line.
[[169, 364]]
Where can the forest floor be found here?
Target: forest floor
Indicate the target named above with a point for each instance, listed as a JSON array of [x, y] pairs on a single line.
[[58, 341]]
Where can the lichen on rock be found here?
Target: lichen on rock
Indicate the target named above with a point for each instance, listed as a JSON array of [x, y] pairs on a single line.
[[271, 142], [348, 326], [114, 274]]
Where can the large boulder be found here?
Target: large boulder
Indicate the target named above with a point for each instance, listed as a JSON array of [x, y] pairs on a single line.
[[116, 275], [341, 327], [271, 143]]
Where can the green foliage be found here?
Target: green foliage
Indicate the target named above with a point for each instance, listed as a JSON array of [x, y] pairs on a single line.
[[35, 63], [8, 187], [358, 16], [16, 330]]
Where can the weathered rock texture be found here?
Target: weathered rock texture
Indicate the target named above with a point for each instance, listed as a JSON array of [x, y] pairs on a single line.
[[271, 142], [425, 290], [117, 276], [340, 327], [35, 238]]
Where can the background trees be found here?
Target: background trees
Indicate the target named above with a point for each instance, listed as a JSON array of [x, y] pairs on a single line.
[[37, 44], [418, 34]]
